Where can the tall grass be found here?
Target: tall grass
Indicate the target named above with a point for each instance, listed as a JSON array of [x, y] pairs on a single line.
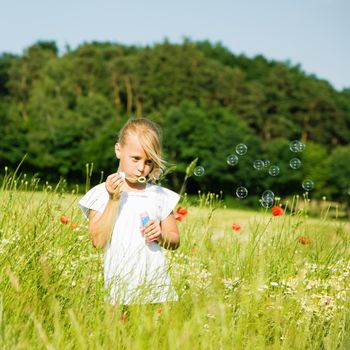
[[256, 288]]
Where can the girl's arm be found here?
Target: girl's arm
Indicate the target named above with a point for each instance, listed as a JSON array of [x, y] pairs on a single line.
[[166, 233], [101, 224]]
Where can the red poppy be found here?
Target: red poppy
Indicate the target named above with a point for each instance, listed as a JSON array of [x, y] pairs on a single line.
[[236, 227], [194, 249], [160, 310], [304, 240], [277, 210], [180, 213], [73, 225], [124, 317], [64, 219]]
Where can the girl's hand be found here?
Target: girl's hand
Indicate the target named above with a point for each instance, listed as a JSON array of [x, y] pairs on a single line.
[[114, 184], [151, 231]]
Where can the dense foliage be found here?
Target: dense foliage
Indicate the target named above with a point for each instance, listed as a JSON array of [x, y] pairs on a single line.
[[65, 111]]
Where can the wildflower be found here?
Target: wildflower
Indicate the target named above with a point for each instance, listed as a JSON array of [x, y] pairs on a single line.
[[64, 219], [277, 210], [194, 249], [304, 240], [180, 213], [73, 225], [328, 300], [124, 317], [236, 227], [160, 310]]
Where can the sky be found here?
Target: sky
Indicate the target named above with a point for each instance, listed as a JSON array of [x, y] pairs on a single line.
[[312, 33]]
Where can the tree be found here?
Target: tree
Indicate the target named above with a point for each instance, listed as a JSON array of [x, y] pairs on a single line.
[[338, 181], [13, 143], [209, 134], [65, 110]]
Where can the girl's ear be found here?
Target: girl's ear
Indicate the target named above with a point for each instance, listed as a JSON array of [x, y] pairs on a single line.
[[117, 150]]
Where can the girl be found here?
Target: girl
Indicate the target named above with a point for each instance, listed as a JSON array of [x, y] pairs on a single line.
[[132, 219]]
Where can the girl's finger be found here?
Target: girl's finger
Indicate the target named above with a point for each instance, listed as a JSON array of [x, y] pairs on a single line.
[[152, 234], [112, 176], [152, 238], [116, 182]]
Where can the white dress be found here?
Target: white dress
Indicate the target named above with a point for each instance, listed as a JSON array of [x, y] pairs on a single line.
[[134, 272]]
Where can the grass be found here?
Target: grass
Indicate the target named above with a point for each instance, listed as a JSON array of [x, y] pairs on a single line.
[[256, 288]]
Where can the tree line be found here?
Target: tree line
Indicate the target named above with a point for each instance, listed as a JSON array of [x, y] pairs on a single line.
[[64, 110]]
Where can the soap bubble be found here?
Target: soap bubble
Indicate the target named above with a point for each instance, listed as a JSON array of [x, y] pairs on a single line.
[[267, 199], [232, 159], [308, 185], [198, 171], [267, 195], [349, 191], [295, 163], [302, 147], [258, 164], [266, 163], [274, 170], [267, 202], [294, 146], [297, 146], [241, 192], [241, 149]]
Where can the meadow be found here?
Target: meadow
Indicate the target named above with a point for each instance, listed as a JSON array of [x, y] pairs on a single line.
[[245, 279]]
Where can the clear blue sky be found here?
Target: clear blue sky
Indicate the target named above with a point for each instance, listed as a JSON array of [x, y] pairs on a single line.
[[314, 33]]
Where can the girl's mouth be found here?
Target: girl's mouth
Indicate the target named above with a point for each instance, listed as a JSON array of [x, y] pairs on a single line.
[[139, 179]]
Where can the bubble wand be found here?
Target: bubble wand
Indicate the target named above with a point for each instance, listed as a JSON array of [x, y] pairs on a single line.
[[140, 179]]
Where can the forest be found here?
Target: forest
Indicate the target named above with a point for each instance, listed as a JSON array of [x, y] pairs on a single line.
[[63, 111]]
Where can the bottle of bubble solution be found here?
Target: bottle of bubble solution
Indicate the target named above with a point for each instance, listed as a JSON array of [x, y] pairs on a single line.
[[144, 221], [122, 174]]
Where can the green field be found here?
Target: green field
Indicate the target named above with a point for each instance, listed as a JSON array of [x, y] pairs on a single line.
[[255, 288]]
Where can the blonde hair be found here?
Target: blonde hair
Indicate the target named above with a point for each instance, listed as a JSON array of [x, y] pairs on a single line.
[[149, 136]]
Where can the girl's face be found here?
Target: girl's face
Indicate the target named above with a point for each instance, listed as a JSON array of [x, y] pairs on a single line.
[[132, 158]]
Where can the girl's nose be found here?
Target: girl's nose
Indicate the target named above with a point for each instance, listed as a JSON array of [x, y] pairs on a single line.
[[141, 166]]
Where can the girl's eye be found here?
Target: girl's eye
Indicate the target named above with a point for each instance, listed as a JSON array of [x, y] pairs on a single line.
[[148, 162]]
